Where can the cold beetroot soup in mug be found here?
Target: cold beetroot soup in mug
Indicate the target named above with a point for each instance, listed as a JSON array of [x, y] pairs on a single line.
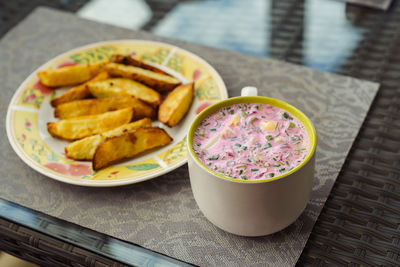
[[251, 162], [251, 141]]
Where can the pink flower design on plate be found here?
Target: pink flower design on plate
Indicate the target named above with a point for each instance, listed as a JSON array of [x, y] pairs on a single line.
[[28, 124], [68, 62], [79, 169], [202, 107], [196, 74], [43, 89], [30, 98], [57, 167]]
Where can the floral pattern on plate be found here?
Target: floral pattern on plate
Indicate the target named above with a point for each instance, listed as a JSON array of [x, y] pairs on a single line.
[[30, 111]]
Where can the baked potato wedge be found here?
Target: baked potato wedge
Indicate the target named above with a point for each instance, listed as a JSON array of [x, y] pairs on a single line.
[[80, 127], [157, 81], [84, 149], [78, 92], [128, 145], [98, 106], [129, 60], [176, 104], [124, 87], [70, 75]]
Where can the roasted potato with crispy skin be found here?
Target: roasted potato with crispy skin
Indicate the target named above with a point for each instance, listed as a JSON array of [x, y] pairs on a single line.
[[129, 60], [98, 106], [176, 104], [78, 92], [80, 127], [128, 144], [123, 86], [70, 75], [84, 149], [157, 81]]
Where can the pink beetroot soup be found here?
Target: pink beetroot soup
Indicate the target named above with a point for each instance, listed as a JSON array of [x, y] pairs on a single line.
[[251, 141]]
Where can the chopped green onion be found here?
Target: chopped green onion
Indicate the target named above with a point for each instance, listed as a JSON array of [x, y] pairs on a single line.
[[214, 157], [221, 171], [286, 133], [238, 145], [285, 115], [281, 170], [223, 113], [254, 170], [271, 174], [295, 138], [213, 130], [240, 172], [269, 137], [231, 111], [276, 165], [240, 166], [249, 160], [207, 124], [274, 158], [244, 148], [268, 145], [287, 162], [244, 177], [292, 125]]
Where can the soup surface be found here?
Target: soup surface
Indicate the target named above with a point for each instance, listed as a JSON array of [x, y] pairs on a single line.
[[251, 141]]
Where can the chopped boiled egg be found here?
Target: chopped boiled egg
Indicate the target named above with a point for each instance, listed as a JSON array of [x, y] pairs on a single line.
[[226, 131], [212, 142], [235, 120], [268, 125]]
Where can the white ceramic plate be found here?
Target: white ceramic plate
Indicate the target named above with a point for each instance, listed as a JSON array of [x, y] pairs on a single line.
[[30, 110]]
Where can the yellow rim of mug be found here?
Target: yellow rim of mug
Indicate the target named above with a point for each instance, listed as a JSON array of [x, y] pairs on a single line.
[[254, 99]]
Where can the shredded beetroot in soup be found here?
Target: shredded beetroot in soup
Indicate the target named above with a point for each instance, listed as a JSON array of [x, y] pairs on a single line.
[[251, 141]]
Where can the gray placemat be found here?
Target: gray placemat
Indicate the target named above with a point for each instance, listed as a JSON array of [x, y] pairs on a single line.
[[161, 214]]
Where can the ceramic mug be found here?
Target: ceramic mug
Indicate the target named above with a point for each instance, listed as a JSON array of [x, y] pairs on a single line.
[[252, 207]]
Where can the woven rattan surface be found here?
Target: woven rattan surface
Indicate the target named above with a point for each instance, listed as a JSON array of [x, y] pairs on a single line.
[[359, 225], [360, 222]]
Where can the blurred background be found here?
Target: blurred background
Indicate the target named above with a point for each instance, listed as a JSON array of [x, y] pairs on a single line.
[[252, 27]]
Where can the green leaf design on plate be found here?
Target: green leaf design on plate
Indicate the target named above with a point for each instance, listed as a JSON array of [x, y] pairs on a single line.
[[35, 158], [176, 63], [158, 57], [143, 167], [52, 96], [208, 90], [93, 55], [52, 157]]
